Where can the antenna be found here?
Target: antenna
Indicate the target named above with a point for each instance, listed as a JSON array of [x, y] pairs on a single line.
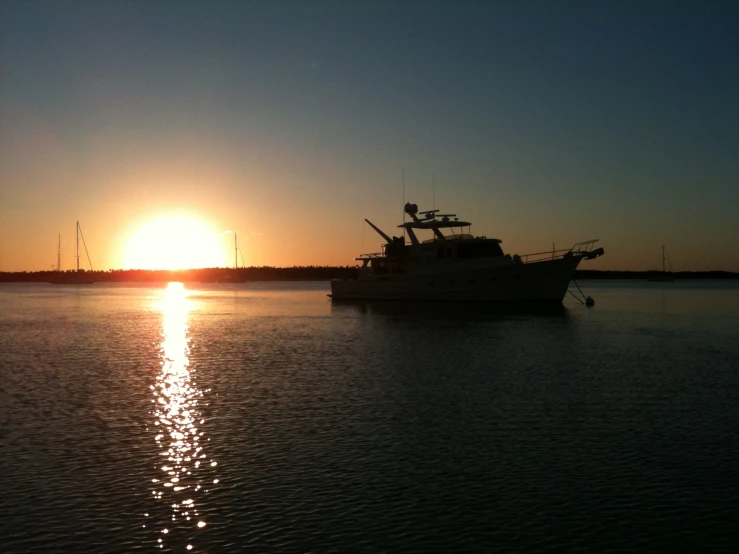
[[433, 187], [403, 177]]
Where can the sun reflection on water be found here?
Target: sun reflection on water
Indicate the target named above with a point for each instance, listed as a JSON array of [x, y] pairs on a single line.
[[176, 422]]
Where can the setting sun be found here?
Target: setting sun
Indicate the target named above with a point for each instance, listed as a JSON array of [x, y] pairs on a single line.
[[174, 243]]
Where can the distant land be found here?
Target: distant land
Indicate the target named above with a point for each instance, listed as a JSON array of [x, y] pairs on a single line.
[[301, 273]]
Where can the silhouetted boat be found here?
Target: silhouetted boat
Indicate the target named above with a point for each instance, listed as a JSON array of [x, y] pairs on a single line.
[[233, 276], [665, 276], [78, 277], [459, 266]]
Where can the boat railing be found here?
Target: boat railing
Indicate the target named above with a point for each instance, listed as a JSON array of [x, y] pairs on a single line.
[[369, 256], [461, 236], [580, 248]]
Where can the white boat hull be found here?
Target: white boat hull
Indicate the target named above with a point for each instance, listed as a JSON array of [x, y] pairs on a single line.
[[544, 281]]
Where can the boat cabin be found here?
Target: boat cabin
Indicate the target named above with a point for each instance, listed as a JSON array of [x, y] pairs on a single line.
[[396, 254]]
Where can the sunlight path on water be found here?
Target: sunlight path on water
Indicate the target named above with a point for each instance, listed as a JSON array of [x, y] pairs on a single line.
[[176, 419]]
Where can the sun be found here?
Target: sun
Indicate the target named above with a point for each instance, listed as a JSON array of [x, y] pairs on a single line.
[[173, 243]]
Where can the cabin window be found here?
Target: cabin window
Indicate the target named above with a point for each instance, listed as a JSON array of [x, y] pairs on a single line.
[[482, 249], [445, 252], [398, 266], [380, 267]]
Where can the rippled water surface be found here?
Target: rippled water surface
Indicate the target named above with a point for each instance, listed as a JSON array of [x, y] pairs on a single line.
[[259, 417]]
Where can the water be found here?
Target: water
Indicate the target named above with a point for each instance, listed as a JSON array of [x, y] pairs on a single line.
[[278, 422]]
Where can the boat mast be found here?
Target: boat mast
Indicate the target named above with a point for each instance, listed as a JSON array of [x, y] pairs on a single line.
[[77, 253], [59, 254], [663, 258], [236, 253]]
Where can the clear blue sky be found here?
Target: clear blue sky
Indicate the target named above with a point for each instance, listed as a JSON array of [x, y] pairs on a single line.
[[290, 122]]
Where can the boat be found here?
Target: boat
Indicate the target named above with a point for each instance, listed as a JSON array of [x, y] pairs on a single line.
[[459, 266], [663, 276], [78, 277], [233, 275]]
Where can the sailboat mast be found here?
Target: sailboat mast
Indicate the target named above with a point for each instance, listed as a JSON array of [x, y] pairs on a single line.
[[77, 253], [663, 258], [236, 253]]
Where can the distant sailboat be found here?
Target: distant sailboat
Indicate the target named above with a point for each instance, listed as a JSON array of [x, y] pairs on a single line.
[[664, 275], [78, 277], [233, 276]]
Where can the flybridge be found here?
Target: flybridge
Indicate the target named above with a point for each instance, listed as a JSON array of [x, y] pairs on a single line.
[[431, 220]]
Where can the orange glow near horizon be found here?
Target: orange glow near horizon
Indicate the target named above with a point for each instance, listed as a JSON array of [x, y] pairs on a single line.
[[174, 243]]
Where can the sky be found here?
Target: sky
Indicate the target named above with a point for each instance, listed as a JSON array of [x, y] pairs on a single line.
[[288, 123]]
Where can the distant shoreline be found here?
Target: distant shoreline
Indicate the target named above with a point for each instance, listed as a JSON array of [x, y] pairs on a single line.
[[678, 275], [306, 273]]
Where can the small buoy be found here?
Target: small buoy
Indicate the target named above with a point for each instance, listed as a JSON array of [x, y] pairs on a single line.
[[589, 301]]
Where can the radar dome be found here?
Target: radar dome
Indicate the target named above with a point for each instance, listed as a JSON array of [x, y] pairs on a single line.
[[411, 209]]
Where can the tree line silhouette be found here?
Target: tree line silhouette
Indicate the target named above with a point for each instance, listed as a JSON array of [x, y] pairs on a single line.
[[297, 273], [206, 275]]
